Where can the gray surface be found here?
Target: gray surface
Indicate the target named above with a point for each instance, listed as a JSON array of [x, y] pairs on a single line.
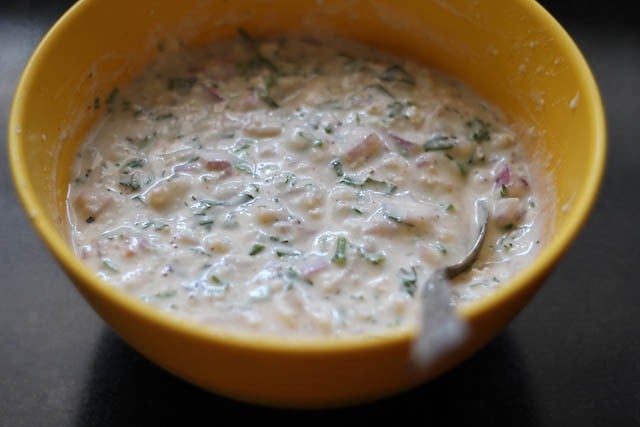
[[572, 357]]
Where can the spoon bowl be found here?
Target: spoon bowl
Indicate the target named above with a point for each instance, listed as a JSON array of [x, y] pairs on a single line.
[[441, 328]]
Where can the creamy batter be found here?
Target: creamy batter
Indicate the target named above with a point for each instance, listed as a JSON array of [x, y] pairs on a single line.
[[298, 187]]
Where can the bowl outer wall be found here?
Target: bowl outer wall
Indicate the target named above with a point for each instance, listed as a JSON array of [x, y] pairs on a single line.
[[513, 53]]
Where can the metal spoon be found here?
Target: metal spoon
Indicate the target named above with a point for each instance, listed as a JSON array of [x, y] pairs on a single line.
[[441, 329]]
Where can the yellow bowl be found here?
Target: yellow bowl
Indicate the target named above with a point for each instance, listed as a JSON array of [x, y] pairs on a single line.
[[513, 53]]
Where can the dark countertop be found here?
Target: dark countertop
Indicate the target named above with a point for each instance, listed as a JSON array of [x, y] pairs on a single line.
[[572, 357]]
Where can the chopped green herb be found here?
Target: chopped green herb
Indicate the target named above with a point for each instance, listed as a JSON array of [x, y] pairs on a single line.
[[504, 192], [316, 142], [165, 116], [242, 166], [166, 294], [291, 179], [258, 61], [438, 142], [374, 258], [441, 248], [286, 252], [219, 286], [398, 109], [207, 224], [380, 88], [182, 85], [450, 208], [242, 145], [110, 265], [265, 96], [200, 251], [90, 220], [397, 219], [135, 163], [245, 36], [370, 183], [256, 249], [337, 166], [396, 73], [480, 130], [112, 98], [340, 257], [130, 182], [157, 226], [140, 142], [408, 278]]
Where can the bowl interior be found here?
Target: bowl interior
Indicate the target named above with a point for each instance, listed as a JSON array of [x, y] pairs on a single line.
[[512, 53]]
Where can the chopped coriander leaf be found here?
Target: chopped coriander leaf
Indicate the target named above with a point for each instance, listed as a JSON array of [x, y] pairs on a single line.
[[397, 219], [350, 181], [130, 182], [480, 130], [157, 226], [316, 142], [245, 36], [140, 142], [242, 166], [371, 184], [380, 88], [242, 145], [207, 224], [450, 208], [135, 163], [165, 294], [408, 277], [396, 73], [112, 97], [110, 265], [398, 109], [164, 116], [374, 258], [382, 186], [287, 252], [182, 85], [256, 249], [340, 257], [441, 248], [337, 166], [267, 99], [504, 192]]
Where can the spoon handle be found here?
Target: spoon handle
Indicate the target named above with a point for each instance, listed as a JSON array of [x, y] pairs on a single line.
[[441, 329]]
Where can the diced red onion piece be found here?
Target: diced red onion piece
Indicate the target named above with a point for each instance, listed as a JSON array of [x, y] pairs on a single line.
[[313, 266], [504, 177], [217, 165]]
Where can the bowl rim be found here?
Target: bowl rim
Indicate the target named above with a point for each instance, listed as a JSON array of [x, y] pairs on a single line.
[[85, 277]]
